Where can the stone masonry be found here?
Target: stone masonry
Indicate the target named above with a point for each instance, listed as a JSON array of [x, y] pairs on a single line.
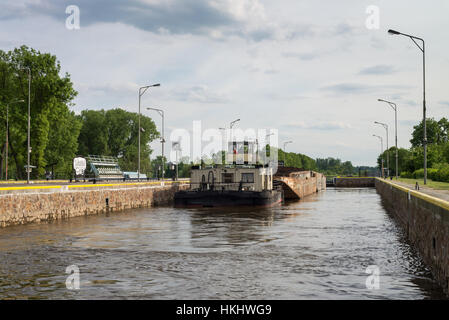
[[47, 205], [425, 220]]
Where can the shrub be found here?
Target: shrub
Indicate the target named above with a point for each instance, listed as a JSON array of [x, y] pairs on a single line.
[[435, 174], [442, 173], [439, 172], [432, 173], [406, 174], [418, 174]]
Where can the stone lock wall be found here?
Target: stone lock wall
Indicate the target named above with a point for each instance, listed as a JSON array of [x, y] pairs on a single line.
[[425, 220], [47, 205]]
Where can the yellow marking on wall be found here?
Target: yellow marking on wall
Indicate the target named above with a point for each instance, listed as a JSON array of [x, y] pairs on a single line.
[[355, 177], [92, 185], [436, 201], [30, 188]]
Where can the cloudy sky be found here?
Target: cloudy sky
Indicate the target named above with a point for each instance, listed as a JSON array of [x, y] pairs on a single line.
[[311, 69]]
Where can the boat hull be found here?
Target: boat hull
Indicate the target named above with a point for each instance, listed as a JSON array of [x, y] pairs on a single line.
[[228, 198]]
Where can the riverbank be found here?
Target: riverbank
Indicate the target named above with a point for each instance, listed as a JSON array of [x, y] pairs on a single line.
[[424, 215], [40, 203]]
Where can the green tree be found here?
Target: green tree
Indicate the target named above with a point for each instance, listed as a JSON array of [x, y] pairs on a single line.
[[405, 162], [443, 123], [436, 132], [62, 141], [115, 133], [347, 168], [295, 160], [51, 94], [156, 167], [93, 135]]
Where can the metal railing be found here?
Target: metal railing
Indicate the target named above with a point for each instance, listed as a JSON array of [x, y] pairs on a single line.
[[223, 186]]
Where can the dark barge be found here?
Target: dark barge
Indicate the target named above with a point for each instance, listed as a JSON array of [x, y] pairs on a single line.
[[227, 198], [239, 183]]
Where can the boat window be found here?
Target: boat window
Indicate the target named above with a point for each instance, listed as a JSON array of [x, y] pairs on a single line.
[[240, 147], [248, 177], [210, 177], [228, 177]]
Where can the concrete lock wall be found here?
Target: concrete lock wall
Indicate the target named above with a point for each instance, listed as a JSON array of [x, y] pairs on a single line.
[[425, 220], [38, 204], [354, 182]]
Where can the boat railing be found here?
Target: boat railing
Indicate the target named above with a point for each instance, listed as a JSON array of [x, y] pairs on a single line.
[[223, 186]]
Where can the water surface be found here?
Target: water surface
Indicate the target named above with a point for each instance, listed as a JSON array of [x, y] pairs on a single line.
[[318, 248]]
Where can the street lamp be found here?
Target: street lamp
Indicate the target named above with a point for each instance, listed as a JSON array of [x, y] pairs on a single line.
[[395, 108], [141, 92], [285, 143], [413, 38], [388, 153], [231, 125], [233, 122], [177, 148], [267, 137], [161, 112], [381, 151], [223, 145], [7, 130], [29, 117]]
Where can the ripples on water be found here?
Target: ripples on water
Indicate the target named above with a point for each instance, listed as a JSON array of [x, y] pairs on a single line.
[[318, 248]]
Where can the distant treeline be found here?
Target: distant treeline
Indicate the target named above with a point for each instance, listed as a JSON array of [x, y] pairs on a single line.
[[335, 167]]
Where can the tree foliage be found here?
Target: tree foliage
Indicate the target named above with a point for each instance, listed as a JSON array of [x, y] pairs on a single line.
[[411, 161], [335, 167], [57, 134], [54, 128], [114, 133], [296, 160], [436, 132]]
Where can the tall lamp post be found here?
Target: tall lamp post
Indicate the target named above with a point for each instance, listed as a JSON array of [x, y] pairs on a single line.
[[231, 137], [381, 151], [285, 143], [267, 137], [232, 124], [388, 153], [395, 108], [223, 145], [7, 130], [176, 145], [413, 38], [142, 90], [161, 112]]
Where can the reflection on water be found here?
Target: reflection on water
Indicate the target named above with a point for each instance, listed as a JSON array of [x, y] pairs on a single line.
[[318, 248]]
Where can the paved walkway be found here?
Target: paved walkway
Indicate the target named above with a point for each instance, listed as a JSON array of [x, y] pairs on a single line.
[[441, 194]]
